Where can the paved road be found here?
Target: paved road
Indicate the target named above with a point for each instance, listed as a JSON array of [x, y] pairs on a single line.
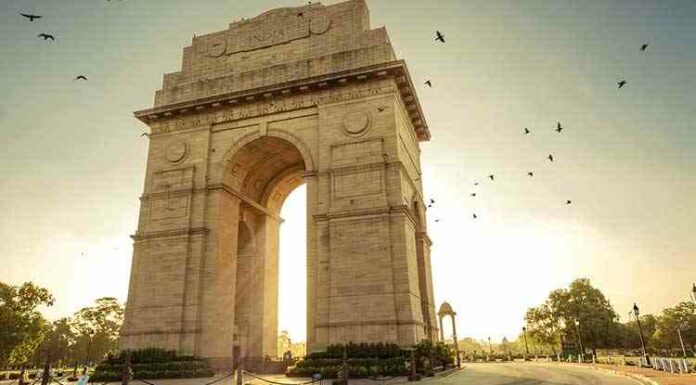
[[531, 374]]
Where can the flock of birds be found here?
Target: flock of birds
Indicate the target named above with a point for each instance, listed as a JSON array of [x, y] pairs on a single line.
[[440, 37], [47, 36]]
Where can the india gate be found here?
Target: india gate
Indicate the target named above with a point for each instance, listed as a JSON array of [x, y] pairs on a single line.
[[295, 95]]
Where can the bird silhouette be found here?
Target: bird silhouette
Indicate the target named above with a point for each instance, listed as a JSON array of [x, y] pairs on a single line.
[[569, 202], [81, 77], [474, 215], [46, 36], [530, 173], [526, 130], [30, 16], [644, 47], [476, 183], [429, 83], [432, 201], [559, 128], [437, 220], [492, 176], [439, 36], [473, 194], [550, 157], [621, 83]]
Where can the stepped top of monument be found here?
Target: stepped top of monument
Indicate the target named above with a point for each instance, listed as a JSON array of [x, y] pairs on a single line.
[[282, 47]]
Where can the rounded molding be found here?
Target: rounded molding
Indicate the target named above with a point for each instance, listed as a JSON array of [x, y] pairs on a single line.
[[176, 151], [356, 123], [319, 23], [217, 47]]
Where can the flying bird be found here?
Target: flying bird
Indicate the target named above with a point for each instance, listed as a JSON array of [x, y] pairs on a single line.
[[559, 128], [492, 176], [437, 220], [81, 77], [473, 194], [46, 36], [526, 130], [30, 16], [569, 202], [439, 36], [429, 83], [550, 157], [530, 173], [644, 47], [475, 183], [474, 215], [621, 83], [432, 201]]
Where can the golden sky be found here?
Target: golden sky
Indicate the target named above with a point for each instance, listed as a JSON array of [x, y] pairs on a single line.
[[72, 159]]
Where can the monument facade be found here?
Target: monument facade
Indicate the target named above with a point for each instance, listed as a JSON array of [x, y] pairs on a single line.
[[295, 95]]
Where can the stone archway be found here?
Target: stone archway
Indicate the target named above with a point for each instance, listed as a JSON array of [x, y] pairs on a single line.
[[296, 95]]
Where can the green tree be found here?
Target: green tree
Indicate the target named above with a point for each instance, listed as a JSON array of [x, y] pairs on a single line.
[[544, 326], [96, 329], [581, 302], [683, 317], [22, 326], [628, 335]]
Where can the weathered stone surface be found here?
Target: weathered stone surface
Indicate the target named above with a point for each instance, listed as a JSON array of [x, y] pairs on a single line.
[[296, 95]]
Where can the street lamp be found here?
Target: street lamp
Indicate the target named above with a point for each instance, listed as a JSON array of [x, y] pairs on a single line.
[[577, 331], [89, 347], [526, 346], [490, 347], [693, 293], [636, 312]]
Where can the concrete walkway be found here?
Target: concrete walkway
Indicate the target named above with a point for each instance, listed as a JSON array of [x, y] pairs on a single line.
[[657, 377]]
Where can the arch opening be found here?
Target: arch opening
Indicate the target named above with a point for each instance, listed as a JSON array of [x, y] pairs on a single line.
[[263, 172]]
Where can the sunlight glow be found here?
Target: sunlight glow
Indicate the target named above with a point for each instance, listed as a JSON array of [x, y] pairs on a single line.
[[292, 266]]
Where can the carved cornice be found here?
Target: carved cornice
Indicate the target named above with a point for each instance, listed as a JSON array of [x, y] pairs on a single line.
[[396, 70], [142, 236], [369, 323]]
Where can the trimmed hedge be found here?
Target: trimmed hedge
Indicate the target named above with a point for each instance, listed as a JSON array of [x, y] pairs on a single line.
[[373, 360], [151, 363]]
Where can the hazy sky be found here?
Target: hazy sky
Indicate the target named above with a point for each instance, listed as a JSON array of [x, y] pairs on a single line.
[[72, 160]]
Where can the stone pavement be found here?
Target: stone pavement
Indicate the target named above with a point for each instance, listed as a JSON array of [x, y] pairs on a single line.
[[656, 377]]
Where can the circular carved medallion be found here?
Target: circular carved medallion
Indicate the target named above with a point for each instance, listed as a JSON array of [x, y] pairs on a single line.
[[176, 151], [217, 47], [356, 123], [319, 24]]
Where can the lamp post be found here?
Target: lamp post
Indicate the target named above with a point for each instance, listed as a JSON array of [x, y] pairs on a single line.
[[681, 341], [577, 331], [526, 346], [490, 347], [89, 347], [693, 293], [636, 312]]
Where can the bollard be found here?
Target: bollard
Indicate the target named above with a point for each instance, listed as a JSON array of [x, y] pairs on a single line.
[[240, 372], [46, 372], [127, 372]]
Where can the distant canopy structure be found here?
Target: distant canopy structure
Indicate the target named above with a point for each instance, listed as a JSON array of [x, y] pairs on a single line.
[[446, 310]]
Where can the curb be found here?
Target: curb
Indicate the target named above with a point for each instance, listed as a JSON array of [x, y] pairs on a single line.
[[640, 378], [450, 372]]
